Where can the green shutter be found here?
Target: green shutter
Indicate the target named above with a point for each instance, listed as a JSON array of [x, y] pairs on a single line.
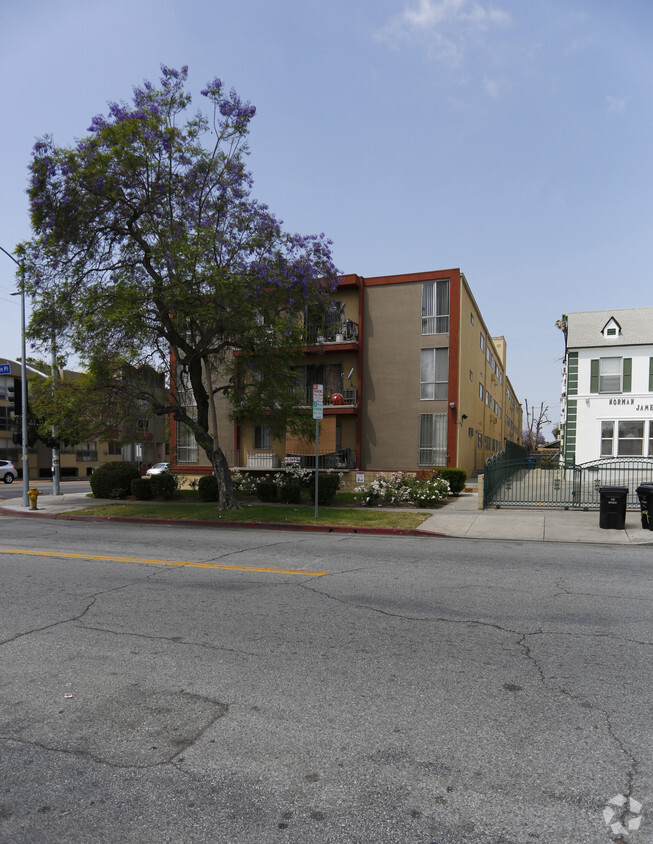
[[628, 370], [594, 377], [650, 375]]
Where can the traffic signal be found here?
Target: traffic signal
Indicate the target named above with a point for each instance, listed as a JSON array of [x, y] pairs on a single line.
[[15, 397]]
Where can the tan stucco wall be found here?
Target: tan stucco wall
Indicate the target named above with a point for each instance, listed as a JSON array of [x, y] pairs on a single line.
[[391, 381]]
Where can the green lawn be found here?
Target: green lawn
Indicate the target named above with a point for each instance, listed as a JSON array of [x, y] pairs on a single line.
[[288, 514]]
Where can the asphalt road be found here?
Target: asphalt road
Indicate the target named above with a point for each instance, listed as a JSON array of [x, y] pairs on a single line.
[[15, 489], [164, 684]]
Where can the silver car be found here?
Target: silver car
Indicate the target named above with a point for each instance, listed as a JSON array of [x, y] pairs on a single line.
[[158, 469], [8, 471]]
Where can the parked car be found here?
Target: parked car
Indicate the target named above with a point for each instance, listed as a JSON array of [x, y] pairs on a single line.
[[8, 471], [158, 469]]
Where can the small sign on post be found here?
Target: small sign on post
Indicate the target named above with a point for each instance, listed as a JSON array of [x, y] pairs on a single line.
[[318, 413]]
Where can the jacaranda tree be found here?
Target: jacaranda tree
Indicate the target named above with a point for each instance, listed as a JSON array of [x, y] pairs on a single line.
[[148, 250]]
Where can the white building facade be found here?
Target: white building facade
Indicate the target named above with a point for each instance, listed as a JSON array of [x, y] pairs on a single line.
[[607, 385]]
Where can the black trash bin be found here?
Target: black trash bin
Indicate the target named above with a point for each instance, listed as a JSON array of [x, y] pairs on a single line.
[[645, 495], [612, 514]]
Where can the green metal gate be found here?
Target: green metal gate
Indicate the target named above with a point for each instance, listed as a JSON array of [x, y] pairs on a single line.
[[529, 481]]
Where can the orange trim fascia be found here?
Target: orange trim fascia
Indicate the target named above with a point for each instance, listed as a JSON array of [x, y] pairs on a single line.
[[407, 278], [361, 363], [454, 366]]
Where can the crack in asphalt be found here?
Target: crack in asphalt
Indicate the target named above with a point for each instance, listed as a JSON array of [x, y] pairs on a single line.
[[17, 636], [171, 760], [175, 640]]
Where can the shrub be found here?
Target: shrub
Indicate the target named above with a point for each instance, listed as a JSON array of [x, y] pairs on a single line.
[[399, 488], [207, 488], [386, 489], [141, 489], [164, 486], [328, 483], [113, 480], [426, 492], [267, 489], [290, 491], [244, 483], [455, 477]]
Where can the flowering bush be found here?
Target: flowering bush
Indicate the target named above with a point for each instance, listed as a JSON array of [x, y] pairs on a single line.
[[244, 484], [392, 489], [399, 488], [427, 492]]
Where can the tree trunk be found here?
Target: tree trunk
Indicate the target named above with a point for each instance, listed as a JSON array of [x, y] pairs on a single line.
[[226, 495]]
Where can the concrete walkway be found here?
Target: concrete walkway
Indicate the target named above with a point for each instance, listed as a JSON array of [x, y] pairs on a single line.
[[459, 518]]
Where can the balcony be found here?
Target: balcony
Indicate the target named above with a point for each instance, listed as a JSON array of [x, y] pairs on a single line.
[[320, 334], [332, 397]]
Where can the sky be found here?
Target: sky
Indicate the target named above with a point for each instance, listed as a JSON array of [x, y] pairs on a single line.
[[509, 138]]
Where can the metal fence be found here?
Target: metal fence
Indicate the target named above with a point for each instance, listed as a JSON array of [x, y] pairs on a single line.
[[529, 481]]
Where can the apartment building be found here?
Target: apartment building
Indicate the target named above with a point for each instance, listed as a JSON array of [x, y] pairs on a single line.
[[412, 379], [144, 443], [607, 385]]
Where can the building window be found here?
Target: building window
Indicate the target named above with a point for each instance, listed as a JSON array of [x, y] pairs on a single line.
[[114, 447], [611, 375], [434, 373], [480, 391], [262, 436], [482, 343], [187, 448], [471, 375], [435, 307], [650, 439], [433, 439], [607, 438], [472, 318], [631, 439]]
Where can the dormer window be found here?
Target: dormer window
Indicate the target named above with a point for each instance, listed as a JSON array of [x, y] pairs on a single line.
[[611, 329]]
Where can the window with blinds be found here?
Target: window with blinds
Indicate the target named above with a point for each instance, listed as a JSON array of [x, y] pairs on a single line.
[[435, 307]]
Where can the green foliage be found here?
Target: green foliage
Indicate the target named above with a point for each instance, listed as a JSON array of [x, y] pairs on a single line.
[[267, 490], [141, 489], [164, 486], [113, 480], [427, 492], [455, 477], [290, 491], [148, 246], [244, 482], [207, 488], [399, 488], [328, 483]]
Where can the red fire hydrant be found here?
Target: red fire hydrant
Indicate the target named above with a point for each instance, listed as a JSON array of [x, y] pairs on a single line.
[[33, 495]]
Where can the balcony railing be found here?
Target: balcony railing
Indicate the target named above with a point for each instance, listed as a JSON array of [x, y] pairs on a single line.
[[343, 458], [332, 398], [86, 456], [333, 332]]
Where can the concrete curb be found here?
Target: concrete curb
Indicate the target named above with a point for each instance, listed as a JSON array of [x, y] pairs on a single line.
[[224, 523]]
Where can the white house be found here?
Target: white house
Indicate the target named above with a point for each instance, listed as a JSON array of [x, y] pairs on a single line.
[[607, 385]]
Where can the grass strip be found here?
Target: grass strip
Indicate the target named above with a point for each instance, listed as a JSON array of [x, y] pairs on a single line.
[[263, 514]]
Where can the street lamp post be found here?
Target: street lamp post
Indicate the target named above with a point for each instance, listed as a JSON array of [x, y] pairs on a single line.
[[23, 380]]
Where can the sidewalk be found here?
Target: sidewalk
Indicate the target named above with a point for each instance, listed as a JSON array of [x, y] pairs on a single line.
[[459, 518]]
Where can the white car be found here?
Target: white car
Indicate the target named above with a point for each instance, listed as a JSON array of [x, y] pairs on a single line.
[[158, 469], [8, 471]]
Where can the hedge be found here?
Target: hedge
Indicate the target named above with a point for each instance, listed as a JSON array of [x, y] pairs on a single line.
[[113, 480]]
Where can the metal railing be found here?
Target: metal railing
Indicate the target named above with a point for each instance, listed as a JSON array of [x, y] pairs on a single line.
[[532, 481], [332, 397], [332, 332], [343, 458]]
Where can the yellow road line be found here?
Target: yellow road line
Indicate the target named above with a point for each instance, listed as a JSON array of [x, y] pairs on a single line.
[[264, 569]]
